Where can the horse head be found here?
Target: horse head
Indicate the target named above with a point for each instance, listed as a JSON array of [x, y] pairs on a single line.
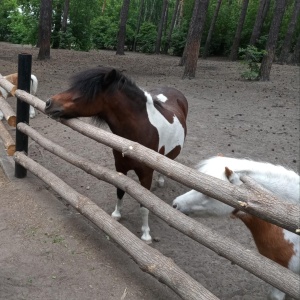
[[87, 96]]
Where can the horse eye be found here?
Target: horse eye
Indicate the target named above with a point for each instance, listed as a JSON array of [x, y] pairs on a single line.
[[77, 99]]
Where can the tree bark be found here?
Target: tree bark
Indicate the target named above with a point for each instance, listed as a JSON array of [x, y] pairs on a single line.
[[295, 59], [192, 47], [286, 46], [260, 18], [211, 30], [161, 26], [193, 23], [250, 260], [45, 29], [237, 38], [65, 16], [267, 60], [57, 27], [122, 27], [138, 24], [169, 38]]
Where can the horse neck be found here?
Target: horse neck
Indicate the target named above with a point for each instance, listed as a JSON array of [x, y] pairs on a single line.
[[269, 239], [124, 114]]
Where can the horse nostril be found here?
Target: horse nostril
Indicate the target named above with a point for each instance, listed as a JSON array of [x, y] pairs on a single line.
[[174, 205], [48, 103]]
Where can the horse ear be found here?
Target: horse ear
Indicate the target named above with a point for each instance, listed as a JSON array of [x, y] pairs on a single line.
[[110, 77]]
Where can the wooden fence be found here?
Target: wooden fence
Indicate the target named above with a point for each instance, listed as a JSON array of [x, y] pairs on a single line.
[[248, 197]]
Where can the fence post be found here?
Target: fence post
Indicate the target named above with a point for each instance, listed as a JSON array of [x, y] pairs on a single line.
[[24, 80]]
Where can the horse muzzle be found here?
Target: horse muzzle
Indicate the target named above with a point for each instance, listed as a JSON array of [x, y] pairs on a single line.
[[52, 110]]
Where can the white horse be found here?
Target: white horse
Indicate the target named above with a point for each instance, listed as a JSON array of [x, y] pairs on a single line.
[[278, 244], [13, 78]]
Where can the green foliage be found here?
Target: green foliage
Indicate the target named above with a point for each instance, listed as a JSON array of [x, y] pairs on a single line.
[[179, 40], [104, 32], [147, 37], [23, 28], [95, 24], [67, 40], [251, 57]]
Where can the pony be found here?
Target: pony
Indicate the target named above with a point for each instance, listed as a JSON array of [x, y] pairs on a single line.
[[276, 243], [13, 78], [155, 119]]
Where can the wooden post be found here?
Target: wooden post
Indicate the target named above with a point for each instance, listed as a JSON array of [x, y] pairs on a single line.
[[8, 141], [8, 112], [24, 78]]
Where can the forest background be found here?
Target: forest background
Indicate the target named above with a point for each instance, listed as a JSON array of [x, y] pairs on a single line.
[[225, 28]]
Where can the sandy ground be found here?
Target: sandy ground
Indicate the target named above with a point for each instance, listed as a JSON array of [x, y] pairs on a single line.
[[48, 251]]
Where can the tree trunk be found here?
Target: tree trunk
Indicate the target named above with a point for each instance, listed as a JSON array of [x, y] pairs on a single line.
[[286, 46], [161, 26], [103, 6], [45, 29], [192, 25], [194, 39], [57, 27], [237, 38], [211, 29], [267, 61], [260, 18], [180, 13], [169, 38], [295, 59], [122, 27], [138, 24], [65, 16]]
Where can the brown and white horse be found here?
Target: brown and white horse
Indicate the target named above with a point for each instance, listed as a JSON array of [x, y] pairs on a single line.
[[13, 78], [278, 244], [155, 119]]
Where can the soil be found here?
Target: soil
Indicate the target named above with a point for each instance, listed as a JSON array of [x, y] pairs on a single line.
[[49, 251]]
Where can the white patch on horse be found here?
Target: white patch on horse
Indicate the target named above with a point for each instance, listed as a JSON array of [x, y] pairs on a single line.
[[170, 134], [162, 98]]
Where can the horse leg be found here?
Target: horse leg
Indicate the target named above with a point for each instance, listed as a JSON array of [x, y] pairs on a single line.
[[117, 212], [145, 181], [31, 112], [160, 180]]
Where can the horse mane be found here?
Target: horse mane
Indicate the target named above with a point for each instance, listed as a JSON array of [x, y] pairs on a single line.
[[281, 181], [89, 83]]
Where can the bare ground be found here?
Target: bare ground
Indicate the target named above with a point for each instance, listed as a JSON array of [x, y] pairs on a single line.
[[48, 251]]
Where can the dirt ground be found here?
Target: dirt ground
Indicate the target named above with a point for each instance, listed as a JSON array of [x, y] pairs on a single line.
[[49, 251]]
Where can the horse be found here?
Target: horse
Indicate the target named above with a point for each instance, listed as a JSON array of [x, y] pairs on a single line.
[[155, 119], [275, 243], [13, 78]]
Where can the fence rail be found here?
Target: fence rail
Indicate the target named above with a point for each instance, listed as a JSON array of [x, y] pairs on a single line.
[[256, 201]]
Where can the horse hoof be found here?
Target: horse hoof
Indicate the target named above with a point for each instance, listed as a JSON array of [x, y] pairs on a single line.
[[148, 242], [116, 216]]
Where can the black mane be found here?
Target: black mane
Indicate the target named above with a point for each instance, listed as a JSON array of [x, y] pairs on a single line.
[[88, 84]]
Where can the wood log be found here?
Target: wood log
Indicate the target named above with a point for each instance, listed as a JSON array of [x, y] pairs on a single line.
[[267, 207], [252, 261], [8, 112], [7, 139], [8, 86], [149, 260]]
